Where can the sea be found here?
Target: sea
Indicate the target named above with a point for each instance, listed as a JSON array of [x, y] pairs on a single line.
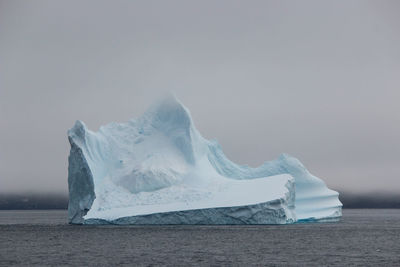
[[364, 237]]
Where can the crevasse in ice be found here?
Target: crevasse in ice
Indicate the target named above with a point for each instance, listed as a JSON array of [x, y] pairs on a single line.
[[158, 169]]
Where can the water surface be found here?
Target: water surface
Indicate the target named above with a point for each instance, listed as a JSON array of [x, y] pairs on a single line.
[[367, 237]]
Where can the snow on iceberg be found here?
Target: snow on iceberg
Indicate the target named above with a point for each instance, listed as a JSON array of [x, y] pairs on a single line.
[[158, 169]]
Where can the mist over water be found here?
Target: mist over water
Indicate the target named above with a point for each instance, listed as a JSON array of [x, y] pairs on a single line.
[[44, 201]]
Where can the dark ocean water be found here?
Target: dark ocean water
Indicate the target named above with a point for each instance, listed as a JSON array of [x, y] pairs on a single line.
[[367, 237]]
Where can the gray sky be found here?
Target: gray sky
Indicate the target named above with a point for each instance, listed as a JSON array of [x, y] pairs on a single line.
[[317, 79]]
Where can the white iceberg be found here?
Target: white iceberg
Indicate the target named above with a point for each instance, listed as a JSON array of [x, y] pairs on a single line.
[[158, 169]]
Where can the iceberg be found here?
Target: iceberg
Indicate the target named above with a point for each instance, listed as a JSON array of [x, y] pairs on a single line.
[[158, 169]]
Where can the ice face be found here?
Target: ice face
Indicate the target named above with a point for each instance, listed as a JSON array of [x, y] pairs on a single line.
[[158, 169]]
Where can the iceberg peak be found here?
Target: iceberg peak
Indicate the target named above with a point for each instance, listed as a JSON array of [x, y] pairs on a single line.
[[168, 114], [78, 130]]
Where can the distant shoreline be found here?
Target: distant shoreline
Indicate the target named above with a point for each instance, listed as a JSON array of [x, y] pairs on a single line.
[[34, 201]]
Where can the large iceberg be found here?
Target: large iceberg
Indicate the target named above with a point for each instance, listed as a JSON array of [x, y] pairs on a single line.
[[158, 169]]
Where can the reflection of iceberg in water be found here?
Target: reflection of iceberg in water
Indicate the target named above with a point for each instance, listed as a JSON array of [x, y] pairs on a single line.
[[158, 169]]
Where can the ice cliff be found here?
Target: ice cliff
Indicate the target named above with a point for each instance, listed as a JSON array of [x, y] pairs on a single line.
[[158, 169]]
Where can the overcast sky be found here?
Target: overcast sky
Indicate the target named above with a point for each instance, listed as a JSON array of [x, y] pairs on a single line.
[[316, 79]]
